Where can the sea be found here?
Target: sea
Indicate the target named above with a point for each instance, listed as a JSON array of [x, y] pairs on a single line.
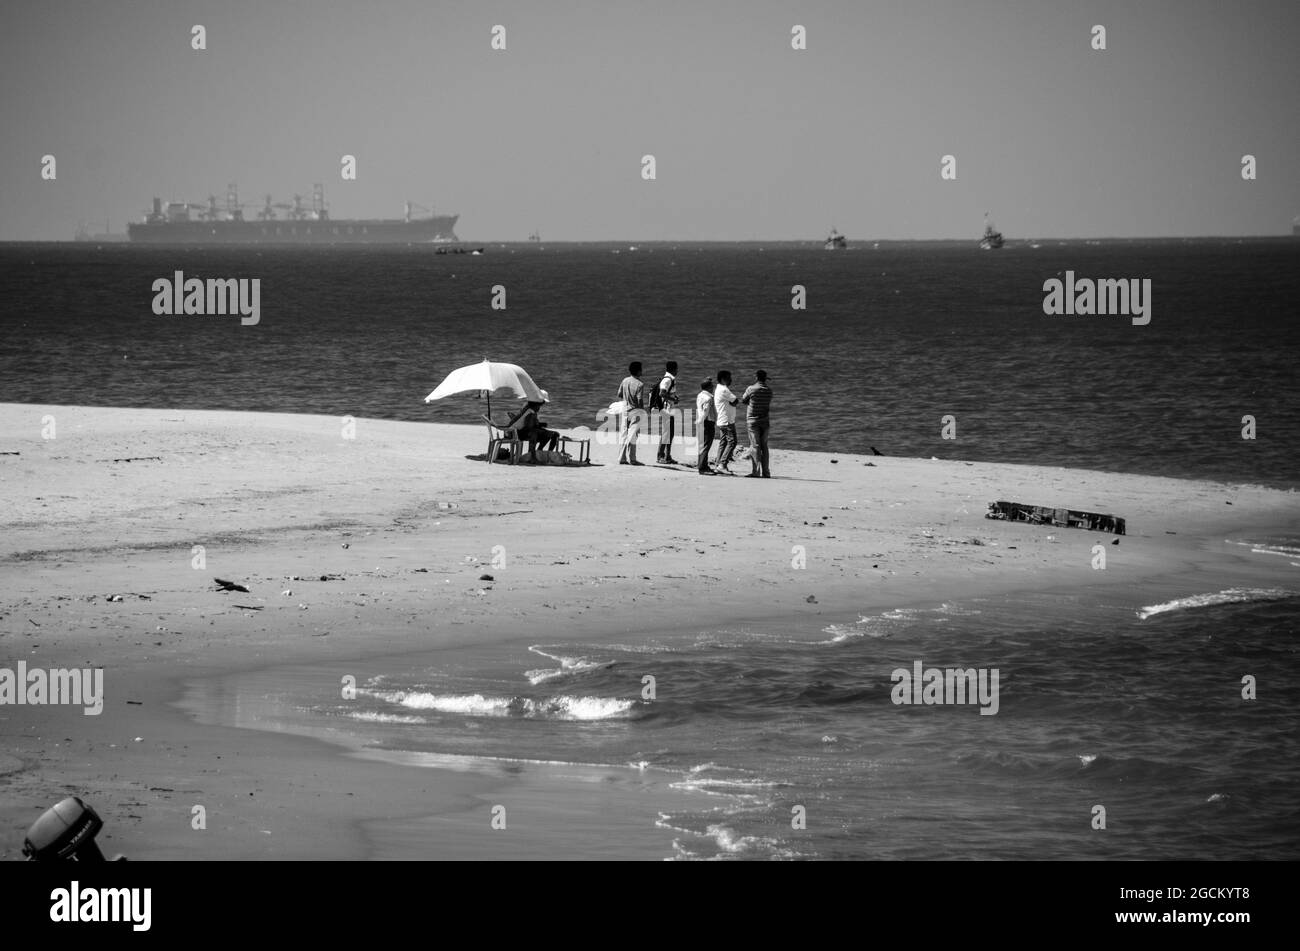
[[891, 341], [1153, 722]]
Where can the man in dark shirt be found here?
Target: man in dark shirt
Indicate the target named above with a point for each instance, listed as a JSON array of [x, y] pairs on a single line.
[[757, 399], [668, 400], [632, 392]]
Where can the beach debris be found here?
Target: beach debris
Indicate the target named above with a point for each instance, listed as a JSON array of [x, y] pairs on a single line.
[[229, 586], [486, 578], [286, 593], [1115, 542], [344, 545], [811, 599], [876, 452], [872, 464], [114, 597], [834, 461], [33, 623], [335, 577], [1058, 517], [135, 703], [830, 739], [249, 607], [10, 453], [301, 606]]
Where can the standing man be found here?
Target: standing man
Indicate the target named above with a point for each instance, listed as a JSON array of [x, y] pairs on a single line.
[[667, 400], [632, 392], [758, 398], [725, 402], [706, 415]]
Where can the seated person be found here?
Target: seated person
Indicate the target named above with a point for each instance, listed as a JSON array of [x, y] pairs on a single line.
[[526, 424]]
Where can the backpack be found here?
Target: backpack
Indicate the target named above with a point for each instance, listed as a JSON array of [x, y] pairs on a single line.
[[656, 400]]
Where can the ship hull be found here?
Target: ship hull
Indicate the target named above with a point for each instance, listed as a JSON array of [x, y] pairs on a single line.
[[438, 229]]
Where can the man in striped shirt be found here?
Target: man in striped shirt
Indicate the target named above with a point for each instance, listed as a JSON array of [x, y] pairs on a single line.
[[757, 399]]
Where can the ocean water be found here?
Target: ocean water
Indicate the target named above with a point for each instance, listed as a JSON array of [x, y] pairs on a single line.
[[1133, 704], [893, 339]]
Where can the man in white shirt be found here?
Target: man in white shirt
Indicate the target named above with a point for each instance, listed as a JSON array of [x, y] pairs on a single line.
[[724, 401], [706, 417]]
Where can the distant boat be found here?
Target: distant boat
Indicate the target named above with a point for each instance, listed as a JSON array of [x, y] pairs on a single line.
[[458, 251], [992, 239], [836, 241], [1295, 227], [535, 236]]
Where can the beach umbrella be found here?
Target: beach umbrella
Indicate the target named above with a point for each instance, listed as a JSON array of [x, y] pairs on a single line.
[[484, 378]]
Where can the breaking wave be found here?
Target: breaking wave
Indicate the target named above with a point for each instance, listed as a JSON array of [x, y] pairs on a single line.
[[569, 666], [1227, 596], [552, 708]]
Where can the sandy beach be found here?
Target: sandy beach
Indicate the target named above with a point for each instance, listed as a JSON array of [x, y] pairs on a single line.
[[378, 544]]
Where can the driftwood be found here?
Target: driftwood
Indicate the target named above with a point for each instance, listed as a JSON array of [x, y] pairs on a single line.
[[1061, 518]]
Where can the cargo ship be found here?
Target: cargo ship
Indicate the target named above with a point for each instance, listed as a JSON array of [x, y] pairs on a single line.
[[179, 222]]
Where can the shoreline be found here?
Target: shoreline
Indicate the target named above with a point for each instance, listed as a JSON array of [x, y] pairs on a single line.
[[403, 529]]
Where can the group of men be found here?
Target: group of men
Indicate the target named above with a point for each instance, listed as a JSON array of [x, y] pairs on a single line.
[[715, 418]]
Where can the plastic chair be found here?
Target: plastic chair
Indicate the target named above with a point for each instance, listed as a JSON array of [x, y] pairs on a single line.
[[498, 436]]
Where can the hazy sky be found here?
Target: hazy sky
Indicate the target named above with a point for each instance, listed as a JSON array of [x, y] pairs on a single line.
[[752, 139]]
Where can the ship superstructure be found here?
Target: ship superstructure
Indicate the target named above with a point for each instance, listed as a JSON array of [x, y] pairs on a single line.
[[992, 239]]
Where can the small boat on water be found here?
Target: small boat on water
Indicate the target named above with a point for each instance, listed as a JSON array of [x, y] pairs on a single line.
[[992, 239], [836, 241], [459, 251]]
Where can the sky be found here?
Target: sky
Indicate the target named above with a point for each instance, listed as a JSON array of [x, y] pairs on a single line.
[[752, 139]]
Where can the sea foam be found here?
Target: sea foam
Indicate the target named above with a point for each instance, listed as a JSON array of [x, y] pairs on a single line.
[[1227, 596], [476, 704]]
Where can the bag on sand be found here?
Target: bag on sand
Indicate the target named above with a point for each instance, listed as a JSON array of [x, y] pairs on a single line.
[[553, 457]]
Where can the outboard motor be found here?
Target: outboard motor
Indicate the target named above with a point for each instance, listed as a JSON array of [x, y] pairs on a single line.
[[65, 833]]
